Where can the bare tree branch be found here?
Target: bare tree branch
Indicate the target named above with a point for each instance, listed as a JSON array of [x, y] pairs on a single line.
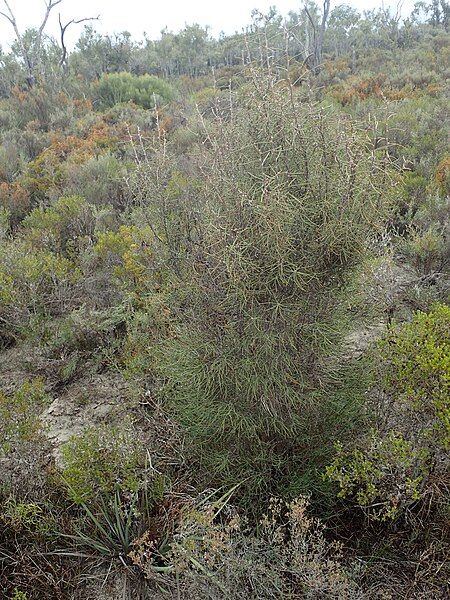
[[49, 6], [11, 18], [63, 29], [318, 32], [31, 54]]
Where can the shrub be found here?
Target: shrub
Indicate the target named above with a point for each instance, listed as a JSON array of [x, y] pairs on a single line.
[[32, 515], [101, 461], [144, 90], [148, 327], [405, 459], [11, 161], [425, 249], [100, 180], [384, 478], [19, 415], [47, 176], [427, 245], [417, 375], [26, 517], [416, 132], [4, 222], [250, 368], [34, 284], [128, 254], [14, 199], [442, 176], [24, 449], [34, 105], [215, 554], [43, 174], [85, 339], [61, 226]]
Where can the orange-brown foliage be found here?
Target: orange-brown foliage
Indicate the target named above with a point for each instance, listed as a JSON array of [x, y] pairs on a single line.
[[355, 89], [14, 198], [442, 175]]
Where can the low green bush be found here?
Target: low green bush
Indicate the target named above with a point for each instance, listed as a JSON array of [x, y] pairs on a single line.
[[85, 338], [405, 459], [147, 91], [35, 284], [417, 370], [384, 477], [100, 180], [426, 249], [24, 449], [25, 517], [61, 226], [100, 461]]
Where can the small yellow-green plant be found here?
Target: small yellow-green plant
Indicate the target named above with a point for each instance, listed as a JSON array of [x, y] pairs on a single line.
[[128, 252], [417, 373], [100, 461], [19, 595], [383, 477], [390, 469], [25, 517], [19, 415]]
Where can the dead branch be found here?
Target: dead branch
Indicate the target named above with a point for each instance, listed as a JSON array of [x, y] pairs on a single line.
[[63, 29]]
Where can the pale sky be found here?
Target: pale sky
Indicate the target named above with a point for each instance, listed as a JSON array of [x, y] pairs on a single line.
[[137, 16]]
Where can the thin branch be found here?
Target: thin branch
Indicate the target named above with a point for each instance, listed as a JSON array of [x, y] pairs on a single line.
[[7, 17], [49, 6], [25, 54], [64, 28], [11, 18], [310, 19]]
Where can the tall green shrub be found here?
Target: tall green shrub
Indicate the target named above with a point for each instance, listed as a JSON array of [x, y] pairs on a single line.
[[292, 195]]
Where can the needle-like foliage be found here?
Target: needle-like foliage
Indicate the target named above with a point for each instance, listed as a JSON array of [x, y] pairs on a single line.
[[292, 193]]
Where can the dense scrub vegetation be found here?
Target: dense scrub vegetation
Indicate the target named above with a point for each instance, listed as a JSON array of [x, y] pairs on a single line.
[[224, 311]]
